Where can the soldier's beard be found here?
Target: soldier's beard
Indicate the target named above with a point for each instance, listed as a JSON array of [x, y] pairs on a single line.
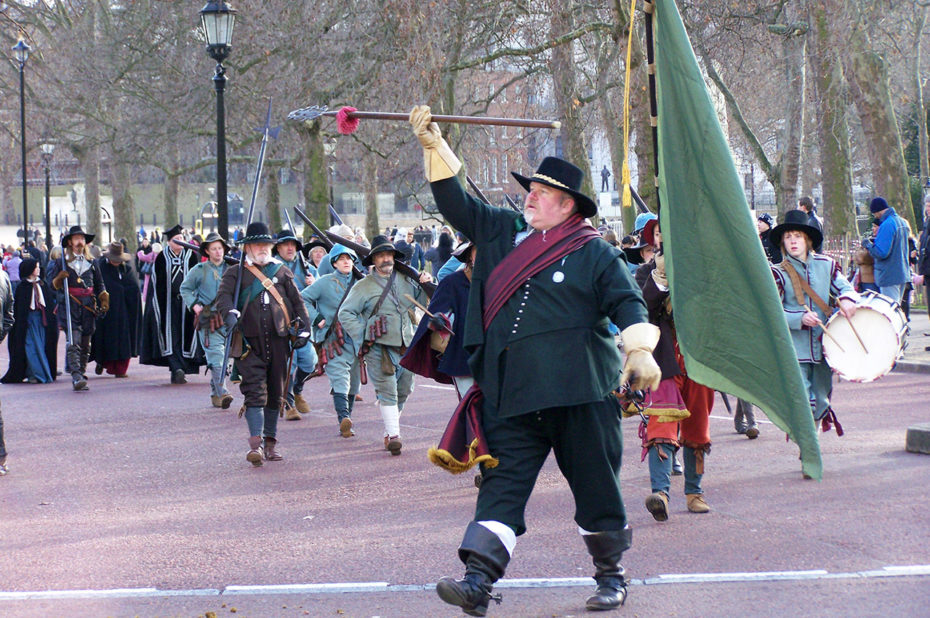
[[260, 259]]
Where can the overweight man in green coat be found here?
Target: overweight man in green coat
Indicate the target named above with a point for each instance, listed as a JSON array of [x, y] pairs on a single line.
[[544, 288]]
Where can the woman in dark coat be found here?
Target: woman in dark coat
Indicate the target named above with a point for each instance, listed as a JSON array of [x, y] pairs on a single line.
[[33, 340], [440, 254], [117, 334]]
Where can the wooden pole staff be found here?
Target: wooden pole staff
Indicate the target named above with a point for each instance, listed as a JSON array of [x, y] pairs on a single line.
[[482, 120]]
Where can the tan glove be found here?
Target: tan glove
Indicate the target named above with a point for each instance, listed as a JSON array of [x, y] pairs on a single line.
[[658, 275], [57, 281], [640, 370], [104, 299], [439, 161]]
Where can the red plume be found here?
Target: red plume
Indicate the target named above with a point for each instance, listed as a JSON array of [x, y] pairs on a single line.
[[345, 124]]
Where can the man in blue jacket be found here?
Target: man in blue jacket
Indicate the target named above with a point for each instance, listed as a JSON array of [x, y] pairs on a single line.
[[544, 288], [889, 250]]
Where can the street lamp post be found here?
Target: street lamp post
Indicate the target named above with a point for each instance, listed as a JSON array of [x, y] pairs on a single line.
[[47, 150], [218, 19], [21, 52]]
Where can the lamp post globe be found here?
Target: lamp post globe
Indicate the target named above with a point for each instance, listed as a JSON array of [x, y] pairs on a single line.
[[21, 53], [218, 20]]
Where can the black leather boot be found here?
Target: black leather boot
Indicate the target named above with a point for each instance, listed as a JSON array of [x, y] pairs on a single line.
[[485, 558], [606, 548]]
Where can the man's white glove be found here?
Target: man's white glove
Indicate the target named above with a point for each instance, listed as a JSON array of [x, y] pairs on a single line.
[[640, 370], [302, 338], [439, 161], [232, 318]]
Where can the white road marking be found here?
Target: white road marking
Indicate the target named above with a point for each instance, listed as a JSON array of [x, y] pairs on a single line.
[[440, 387], [918, 570]]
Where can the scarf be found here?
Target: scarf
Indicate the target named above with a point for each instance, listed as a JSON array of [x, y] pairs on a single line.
[[536, 253], [38, 299]]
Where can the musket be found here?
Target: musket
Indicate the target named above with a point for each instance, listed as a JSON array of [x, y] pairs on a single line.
[[303, 259], [481, 196], [188, 245], [64, 267], [401, 267], [326, 241], [267, 131]]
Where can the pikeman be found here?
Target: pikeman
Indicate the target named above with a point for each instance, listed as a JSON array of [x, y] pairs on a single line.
[[272, 323], [198, 290], [336, 347], [376, 317], [88, 298], [168, 323], [289, 250]]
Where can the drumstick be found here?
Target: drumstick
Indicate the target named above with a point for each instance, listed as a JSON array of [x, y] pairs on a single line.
[[826, 332], [864, 349]]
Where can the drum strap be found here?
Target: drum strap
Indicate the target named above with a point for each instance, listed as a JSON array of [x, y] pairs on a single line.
[[800, 284]]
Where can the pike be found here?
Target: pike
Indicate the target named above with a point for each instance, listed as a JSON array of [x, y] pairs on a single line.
[[640, 204], [337, 220], [267, 131], [303, 258], [188, 245], [401, 267], [326, 241], [347, 118], [64, 268]]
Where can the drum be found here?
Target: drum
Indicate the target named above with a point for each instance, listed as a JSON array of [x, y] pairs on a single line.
[[882, 326]]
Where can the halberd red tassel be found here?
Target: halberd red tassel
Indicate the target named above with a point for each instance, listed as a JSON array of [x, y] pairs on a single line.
[[344, 123]]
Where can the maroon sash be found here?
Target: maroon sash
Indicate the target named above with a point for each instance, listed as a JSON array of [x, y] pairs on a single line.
[[536, 253], [463, 444]]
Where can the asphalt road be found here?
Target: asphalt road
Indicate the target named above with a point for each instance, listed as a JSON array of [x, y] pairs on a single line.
[[135, 499]]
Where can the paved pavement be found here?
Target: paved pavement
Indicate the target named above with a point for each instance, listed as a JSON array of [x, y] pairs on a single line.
[[135, 499], [917, 355]]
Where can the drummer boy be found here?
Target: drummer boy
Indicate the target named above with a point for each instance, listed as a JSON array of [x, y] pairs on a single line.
[[806, 282]]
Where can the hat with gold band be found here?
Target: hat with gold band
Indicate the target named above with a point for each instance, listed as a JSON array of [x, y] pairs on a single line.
[[562, 175]]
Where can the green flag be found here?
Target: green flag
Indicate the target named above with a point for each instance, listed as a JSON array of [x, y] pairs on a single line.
[[731, 328]]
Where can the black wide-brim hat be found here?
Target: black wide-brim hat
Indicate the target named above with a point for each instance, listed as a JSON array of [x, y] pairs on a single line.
[[311, 244], [380, 244], [76, 229], [284, 236], [562, 175], [211, 238], [177, 229], [633, 255], [796, 220], [257, 232]]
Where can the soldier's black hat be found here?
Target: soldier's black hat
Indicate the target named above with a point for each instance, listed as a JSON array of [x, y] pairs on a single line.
[[285, 235], [177, 229], [76, 230], [257, 232], [562, 175], [379, 244], [796, 220]]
